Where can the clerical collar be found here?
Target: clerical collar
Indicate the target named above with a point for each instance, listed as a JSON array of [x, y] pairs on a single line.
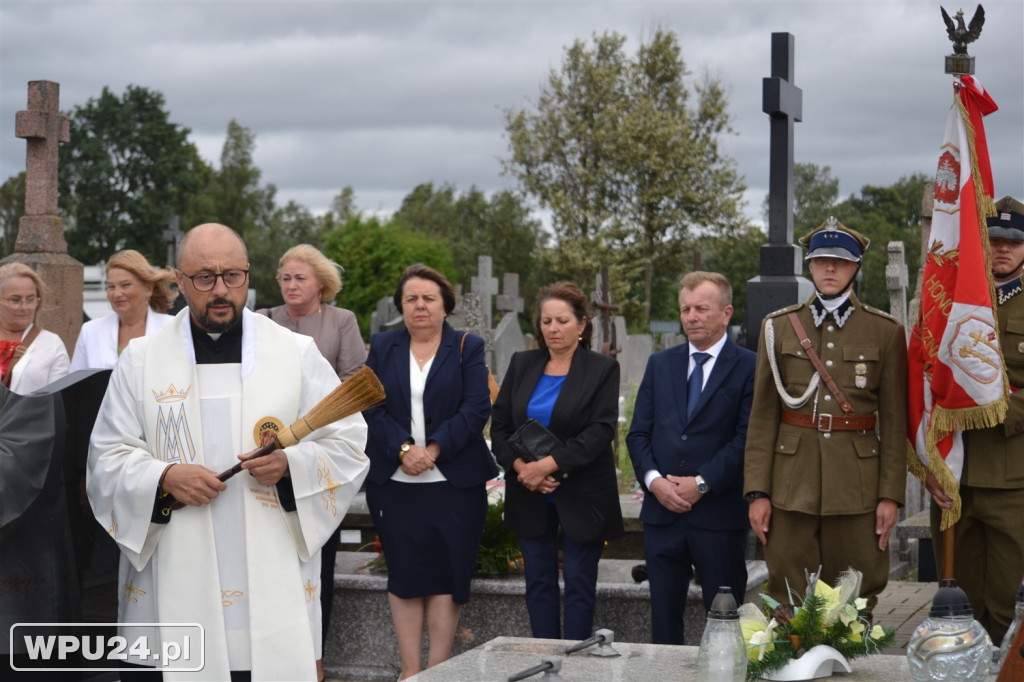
[[1007, 290], [225, 349], [838, 308]]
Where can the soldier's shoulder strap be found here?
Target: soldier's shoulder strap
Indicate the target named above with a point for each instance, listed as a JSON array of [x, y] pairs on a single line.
[[881, 313], [786, 310]]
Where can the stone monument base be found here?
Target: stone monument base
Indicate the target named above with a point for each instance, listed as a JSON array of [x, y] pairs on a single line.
[[361, 641], [505, 656]]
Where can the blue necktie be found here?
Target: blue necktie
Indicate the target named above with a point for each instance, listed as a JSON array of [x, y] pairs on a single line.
[[695, 383]]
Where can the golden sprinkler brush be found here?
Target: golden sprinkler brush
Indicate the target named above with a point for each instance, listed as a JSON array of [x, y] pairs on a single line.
[[359, 392]]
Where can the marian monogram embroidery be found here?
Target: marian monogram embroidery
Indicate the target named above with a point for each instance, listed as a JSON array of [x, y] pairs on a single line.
[[328, 484], [173, 435]]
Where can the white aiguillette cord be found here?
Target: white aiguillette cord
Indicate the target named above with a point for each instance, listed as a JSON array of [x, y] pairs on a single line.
[[793, 403]]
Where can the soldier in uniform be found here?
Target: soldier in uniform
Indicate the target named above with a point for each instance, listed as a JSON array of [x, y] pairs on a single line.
[[989, 537], [826, 453]]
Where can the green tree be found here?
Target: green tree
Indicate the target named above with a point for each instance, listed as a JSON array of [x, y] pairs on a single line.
[[374, 254], [12, 207], [885, 214], [627, 158], [234, 189], [125, 172], [473, 225], [343, 207], [734, 252]]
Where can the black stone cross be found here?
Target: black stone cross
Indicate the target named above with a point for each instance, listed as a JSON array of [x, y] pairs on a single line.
[[780, 282], [783, 102]]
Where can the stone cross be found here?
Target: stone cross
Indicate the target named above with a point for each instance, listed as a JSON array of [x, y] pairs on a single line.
[[484, 286], [40, 243], [172, 236], [606, 309], [43, 127], [509, 301], [780, 282], [896, 280]]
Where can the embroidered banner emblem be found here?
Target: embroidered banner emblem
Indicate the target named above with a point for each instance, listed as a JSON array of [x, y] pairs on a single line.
[[973, 348]]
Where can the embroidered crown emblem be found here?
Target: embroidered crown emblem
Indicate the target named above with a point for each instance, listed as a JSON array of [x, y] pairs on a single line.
[[172, 394]]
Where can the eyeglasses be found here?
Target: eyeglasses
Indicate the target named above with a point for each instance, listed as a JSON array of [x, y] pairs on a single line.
[[206, 281], [18, 301]]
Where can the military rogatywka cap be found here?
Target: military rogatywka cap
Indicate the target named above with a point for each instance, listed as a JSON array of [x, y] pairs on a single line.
[[832, 239], [1008, 222]]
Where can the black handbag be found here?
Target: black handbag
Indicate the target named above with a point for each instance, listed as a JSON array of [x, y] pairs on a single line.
[[533, 441]]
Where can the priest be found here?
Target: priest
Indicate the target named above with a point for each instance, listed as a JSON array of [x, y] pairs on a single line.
[[242, 557]]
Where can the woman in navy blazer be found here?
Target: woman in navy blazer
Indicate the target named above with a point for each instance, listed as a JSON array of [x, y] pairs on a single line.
[[574, 392], [428, 463]]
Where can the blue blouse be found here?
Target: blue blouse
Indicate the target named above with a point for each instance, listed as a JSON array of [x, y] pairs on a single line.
[[542, 402]]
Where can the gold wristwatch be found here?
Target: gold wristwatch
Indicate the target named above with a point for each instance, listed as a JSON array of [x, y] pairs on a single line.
[[403, 449]]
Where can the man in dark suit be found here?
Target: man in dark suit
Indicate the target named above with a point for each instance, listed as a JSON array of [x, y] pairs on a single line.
[[686, 442]]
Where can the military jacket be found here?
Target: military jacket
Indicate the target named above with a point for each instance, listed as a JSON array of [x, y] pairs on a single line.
[[995, 456], [817, 471]]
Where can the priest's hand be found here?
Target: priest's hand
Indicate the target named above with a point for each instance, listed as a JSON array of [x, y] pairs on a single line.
[[269, 469], [192, 484]]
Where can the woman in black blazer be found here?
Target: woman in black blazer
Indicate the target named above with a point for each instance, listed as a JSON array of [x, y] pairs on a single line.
[[429, 464], [574, 392]]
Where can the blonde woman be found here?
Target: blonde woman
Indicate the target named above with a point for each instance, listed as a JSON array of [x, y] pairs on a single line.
[[309, 282], [140, 295], [30, 357]]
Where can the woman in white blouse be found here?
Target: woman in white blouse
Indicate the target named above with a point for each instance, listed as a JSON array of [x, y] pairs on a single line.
[[140, 294], [30, 357]]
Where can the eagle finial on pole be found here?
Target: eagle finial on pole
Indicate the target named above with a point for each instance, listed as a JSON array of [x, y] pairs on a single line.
[[960, 63], [961, 34]]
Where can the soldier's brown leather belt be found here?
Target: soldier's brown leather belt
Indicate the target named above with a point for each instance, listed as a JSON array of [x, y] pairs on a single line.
[[830, 422]]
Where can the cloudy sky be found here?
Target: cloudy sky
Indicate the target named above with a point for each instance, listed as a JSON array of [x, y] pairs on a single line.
[[385, 95]]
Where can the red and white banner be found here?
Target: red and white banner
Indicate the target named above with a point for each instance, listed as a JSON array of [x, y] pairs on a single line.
[[956, 376]]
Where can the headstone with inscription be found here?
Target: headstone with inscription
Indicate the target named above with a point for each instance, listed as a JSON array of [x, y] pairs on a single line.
[[41, 244]]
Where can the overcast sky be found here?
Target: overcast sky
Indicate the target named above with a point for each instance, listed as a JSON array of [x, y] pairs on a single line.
[[385, 95]]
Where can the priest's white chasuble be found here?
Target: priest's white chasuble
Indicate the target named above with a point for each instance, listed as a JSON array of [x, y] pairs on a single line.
[[242, 566]]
